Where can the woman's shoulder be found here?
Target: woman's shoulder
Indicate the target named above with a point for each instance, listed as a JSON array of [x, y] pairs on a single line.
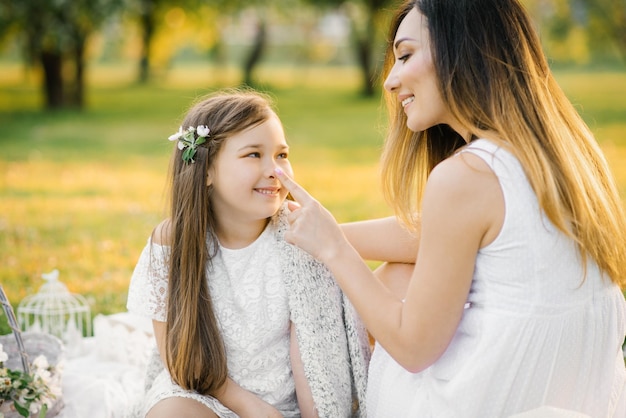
[[496, 153], [162, 233], [459, 183], [464, 186], [461, 172]]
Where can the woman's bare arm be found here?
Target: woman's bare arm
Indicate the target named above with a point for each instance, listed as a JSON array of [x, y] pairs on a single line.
[[383, 239], [462, 211]]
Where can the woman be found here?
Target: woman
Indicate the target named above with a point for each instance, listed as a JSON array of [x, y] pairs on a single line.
[[514, 302]]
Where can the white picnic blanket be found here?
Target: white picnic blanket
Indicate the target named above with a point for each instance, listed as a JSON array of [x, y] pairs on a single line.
[[106, 377]]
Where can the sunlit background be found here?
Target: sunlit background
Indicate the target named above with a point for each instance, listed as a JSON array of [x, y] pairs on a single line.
[[91, 89]]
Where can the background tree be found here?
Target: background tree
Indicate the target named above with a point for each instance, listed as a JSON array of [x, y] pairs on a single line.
[[367, 37], [368, 20], [576, 31], [608, 17], [54, 35], [259, 8], [149, 16], [253, 57]]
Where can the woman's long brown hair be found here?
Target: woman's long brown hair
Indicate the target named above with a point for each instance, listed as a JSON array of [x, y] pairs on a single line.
[[494, 78], [195, 353]]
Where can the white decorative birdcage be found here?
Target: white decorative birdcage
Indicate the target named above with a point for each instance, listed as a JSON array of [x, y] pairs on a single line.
[[56, 311]]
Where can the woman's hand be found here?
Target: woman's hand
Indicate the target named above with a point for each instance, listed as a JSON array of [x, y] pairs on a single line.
[[312, 227]]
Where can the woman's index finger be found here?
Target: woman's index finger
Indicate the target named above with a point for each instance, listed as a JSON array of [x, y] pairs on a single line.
[[298, 193]]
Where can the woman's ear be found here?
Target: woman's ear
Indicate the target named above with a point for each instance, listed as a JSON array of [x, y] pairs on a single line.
[[209, 178]]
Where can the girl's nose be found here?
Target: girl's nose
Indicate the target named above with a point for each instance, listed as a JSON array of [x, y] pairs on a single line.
[[270, 169]]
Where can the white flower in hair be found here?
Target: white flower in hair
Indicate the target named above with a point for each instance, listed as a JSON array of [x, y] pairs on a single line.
[[177, 135], [203, 131], [188, 142]]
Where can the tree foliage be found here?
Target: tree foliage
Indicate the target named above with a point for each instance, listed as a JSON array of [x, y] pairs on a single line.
[[576, 30], [608, 17], [368, 24], [53, 34], [149, 15]]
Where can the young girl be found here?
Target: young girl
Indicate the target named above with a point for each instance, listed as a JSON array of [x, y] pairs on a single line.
[[514, 303], [245, 324]]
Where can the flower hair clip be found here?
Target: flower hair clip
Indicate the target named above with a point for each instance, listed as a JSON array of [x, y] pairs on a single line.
[[188, 141]]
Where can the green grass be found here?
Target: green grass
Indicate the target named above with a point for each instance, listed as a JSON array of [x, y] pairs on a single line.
[[81, 191]]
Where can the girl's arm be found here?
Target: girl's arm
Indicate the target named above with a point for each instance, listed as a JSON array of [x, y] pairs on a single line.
[[231, 395], [303, 390], [244, 403], [384, 239]]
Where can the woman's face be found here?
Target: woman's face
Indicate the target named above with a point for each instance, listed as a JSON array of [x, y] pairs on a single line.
[[413, 78]]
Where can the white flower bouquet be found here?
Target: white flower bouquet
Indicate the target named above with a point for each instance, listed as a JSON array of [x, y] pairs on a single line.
[[35, 388], [27, 392]]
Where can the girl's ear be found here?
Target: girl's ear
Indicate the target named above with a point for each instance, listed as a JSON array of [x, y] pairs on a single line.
[[209, 177]]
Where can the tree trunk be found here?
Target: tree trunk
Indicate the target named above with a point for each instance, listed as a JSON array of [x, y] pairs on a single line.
[[147, 28], [53, 79], [77, 95], [260, 41], [365, 44], [364, 53]]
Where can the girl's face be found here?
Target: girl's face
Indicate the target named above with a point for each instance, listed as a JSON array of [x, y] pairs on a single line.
[[245, 188], [413, 78]]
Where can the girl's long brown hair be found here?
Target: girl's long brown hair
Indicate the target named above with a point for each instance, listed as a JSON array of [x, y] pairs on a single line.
[[195, 353], [495, 79]]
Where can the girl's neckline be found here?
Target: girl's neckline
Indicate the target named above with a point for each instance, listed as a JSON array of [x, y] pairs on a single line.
[[247, 247]]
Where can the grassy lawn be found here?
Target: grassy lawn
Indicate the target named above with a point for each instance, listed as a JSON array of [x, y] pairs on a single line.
[[81, 191]]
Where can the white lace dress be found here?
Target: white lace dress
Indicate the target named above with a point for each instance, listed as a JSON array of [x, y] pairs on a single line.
[[535, 334], [258, 293], [252, 310]]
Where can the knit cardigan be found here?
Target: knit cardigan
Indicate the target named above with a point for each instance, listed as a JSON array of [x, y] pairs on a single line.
[[334, 345]]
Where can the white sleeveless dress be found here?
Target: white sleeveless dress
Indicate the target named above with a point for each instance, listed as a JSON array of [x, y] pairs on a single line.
[[533, 332]]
